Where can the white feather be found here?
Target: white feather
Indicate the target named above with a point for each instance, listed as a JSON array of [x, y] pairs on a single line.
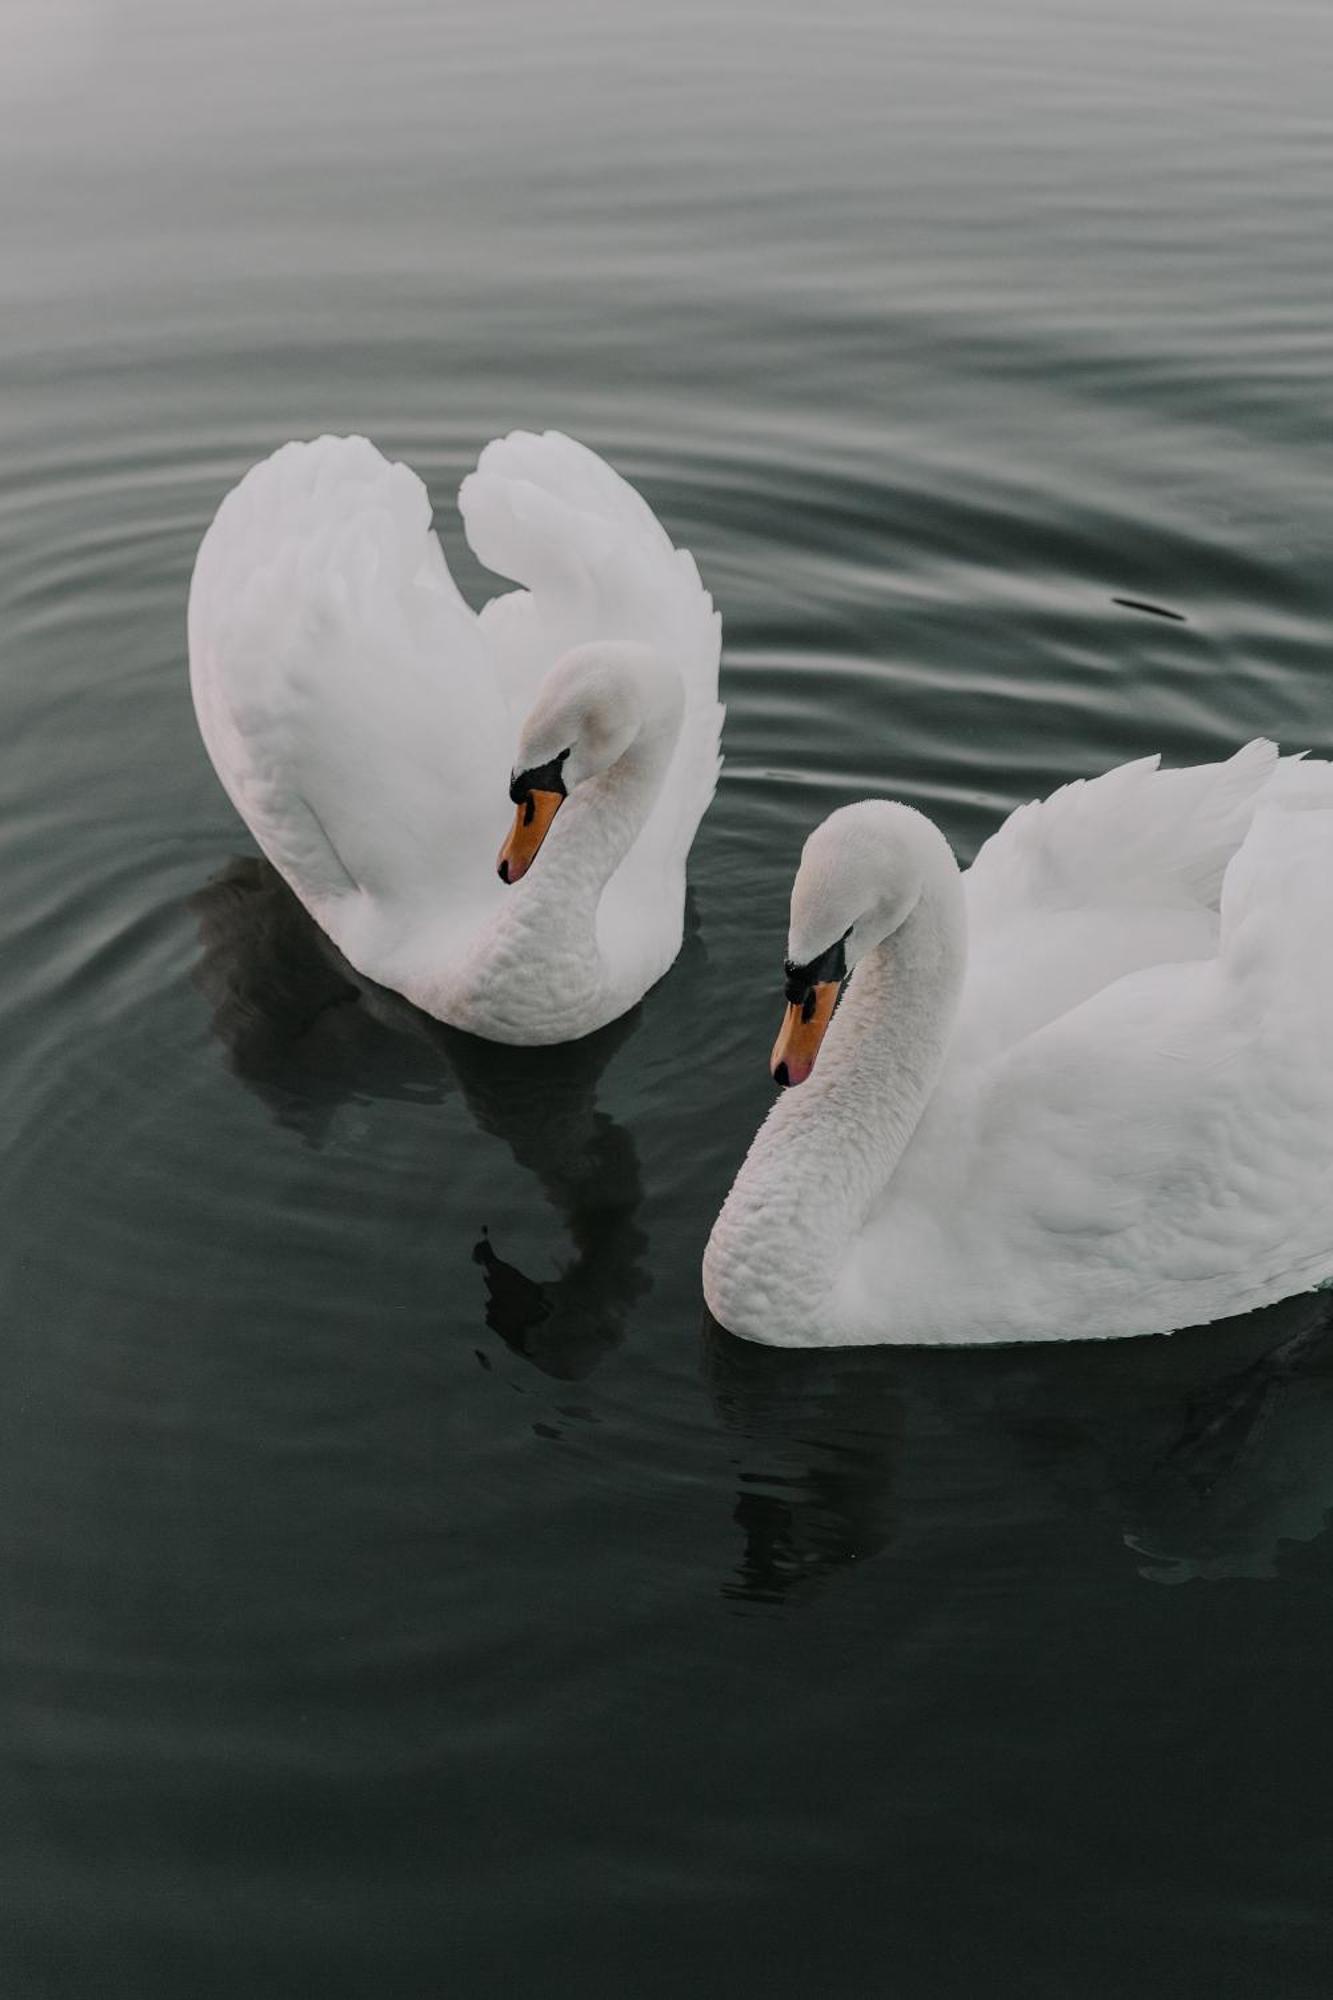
[[364, 721], [598, 564], [1128, 1126]]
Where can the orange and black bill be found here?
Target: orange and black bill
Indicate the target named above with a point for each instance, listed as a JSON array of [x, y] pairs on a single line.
[[812, 994], [802, 1031], [538, 796], [532, 823]]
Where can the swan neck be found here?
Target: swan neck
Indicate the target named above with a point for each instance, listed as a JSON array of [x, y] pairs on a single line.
[[828, 1149], [548, 921], [599, 825]]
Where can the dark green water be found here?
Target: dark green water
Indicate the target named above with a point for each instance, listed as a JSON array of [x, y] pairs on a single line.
[[376, 1622]]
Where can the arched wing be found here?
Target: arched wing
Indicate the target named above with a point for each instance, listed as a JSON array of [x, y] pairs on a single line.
[[595, 563], [341, 684]]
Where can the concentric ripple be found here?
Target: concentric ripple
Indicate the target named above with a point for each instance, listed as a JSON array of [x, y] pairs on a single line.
[[403, 1594]]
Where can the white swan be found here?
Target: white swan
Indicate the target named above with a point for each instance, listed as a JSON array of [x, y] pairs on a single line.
[[1085, 1090], [371, 730]]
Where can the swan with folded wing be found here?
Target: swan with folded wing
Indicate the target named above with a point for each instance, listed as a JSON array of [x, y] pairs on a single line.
[[377, 736], [1083, 1090]]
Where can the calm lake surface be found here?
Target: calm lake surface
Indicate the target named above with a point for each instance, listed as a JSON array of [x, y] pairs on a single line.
[[385, 1616]]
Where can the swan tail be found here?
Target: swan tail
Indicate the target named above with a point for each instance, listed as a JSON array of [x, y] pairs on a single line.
[[329, 654]]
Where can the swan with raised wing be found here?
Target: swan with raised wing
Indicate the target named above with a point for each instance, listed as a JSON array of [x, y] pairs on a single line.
[[376, 735]]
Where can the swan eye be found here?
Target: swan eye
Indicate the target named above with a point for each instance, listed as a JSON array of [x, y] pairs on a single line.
[[541, 778], [827, 968]]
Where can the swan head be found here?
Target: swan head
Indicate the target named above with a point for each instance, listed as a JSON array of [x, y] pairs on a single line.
[[861, 875], [593, 704]]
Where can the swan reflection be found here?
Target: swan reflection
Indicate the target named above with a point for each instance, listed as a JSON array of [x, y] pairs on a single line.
[[1205, 1456], [822, 1430], [1251, 1471], [308, 1035]]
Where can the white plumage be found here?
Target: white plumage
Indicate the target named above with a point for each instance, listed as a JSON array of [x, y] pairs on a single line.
[[365, 721], [1084, 1090]]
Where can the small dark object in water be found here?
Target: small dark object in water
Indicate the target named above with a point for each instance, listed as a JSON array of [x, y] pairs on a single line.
[[1155, 610]]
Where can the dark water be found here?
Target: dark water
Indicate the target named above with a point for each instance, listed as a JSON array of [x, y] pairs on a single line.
[[396, 1609]]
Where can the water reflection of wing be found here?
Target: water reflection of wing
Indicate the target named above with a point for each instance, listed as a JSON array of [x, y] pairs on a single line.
[[307, 1034], [820, 1434], [1207, 1453], [287, 1008], [1251, 1466]]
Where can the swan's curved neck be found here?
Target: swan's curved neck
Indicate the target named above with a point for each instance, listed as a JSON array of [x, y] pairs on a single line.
[[828, 1148], [546, 928]]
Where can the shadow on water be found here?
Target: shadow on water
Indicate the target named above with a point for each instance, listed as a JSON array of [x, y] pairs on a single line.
[[1206, 1456], [1251, 1468], [307, 1034], [822, 1431]]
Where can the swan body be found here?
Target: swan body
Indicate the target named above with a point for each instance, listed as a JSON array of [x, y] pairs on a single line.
[[365, 722], [1084, 1090]]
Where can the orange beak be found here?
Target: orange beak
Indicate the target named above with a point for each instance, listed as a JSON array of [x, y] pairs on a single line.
[[532, 823], [802, 1031]]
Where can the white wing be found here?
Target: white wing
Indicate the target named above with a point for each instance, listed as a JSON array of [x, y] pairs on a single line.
[[1110, 875], [1175, 1132], [363, 720], [1135, 835], [597, 564], [342, 687]]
